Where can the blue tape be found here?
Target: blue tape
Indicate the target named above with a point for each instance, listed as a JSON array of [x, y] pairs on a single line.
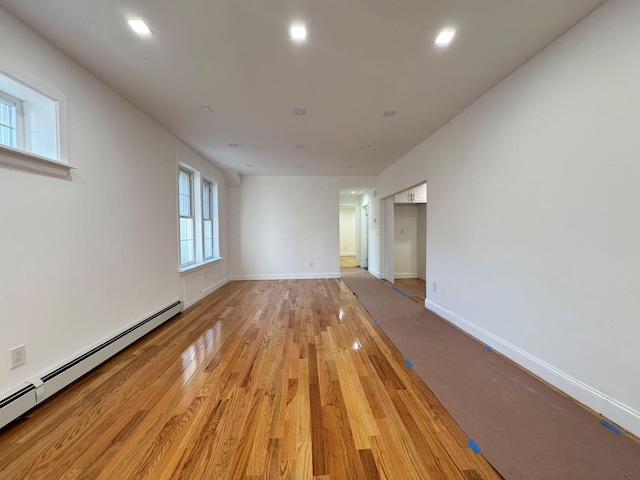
[[454, 327], [611, 427], [401, 292], [488, 348], [474, 446], [409, 364], [375, 321]]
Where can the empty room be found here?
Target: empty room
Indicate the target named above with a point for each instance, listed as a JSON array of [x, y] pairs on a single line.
[[319, 240]]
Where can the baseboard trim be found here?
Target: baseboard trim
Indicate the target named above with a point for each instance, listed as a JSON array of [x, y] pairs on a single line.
[[609, 407], [348, 254], [207, 291], [285, 276], [375, 273], [406, 275], [215, 286], [19, 401]]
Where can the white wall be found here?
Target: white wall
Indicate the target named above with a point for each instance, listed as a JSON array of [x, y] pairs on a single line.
[[83, 258], [405, 225], [279, 225], [347, 231], [533, 205]]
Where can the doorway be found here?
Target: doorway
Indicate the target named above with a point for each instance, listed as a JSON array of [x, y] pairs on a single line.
[[405, 241], [348, 244], [354, 215]]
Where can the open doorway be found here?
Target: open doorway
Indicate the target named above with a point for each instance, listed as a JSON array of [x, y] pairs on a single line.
[[405, 243], [348, 237], [354, 227]]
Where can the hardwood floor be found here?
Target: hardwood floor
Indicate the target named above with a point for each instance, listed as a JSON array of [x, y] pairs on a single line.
[[348, 261], [414, 287], [409, 282], [260, 380]]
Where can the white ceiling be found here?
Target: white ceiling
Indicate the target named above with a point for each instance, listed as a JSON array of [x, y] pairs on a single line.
[[353, 191], [361, 58]]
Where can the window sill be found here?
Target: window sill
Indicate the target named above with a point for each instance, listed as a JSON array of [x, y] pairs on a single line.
[[198, 266], [12, 157]]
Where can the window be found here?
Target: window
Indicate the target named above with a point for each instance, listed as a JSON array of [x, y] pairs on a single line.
[[32, 124], [28, 119], [207, 219], [187, 236], [10, 109], [198, 209]]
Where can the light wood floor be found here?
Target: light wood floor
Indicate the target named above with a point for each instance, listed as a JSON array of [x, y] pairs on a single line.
[[260, 380], [409, 282], [416, 285], [348, 261]]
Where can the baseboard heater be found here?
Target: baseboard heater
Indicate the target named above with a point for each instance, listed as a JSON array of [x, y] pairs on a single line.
[[28, 395]]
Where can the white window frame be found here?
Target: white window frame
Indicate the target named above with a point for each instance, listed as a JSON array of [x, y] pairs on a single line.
[[16, 103], [24, 157], [213, 207], [207, 198], [191, 217], [198, 196]]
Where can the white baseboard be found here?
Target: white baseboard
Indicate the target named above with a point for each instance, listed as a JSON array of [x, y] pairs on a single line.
[[17, 402], [285, 276], [207, 291], [214, 286], [406, 275], [375, 273], [609, 407], [347, 254]]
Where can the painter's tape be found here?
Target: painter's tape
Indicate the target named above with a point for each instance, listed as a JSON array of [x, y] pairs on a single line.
[[401, 292], [474, 446], [375, 321], [454, 327], [611, 427], [488, 348], [408, 362]]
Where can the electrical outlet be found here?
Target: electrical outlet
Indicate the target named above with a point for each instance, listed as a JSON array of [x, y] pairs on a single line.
[[435, 287], [311, 264], [18, 356]]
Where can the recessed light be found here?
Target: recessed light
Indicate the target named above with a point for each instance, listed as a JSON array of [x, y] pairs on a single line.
[[445, 37], [299, 111], [233, 145], [140, 27], [365, 146], [298, 32], [300, 146], [206, 109], [389, 113], [353, 192], [250, 166]]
